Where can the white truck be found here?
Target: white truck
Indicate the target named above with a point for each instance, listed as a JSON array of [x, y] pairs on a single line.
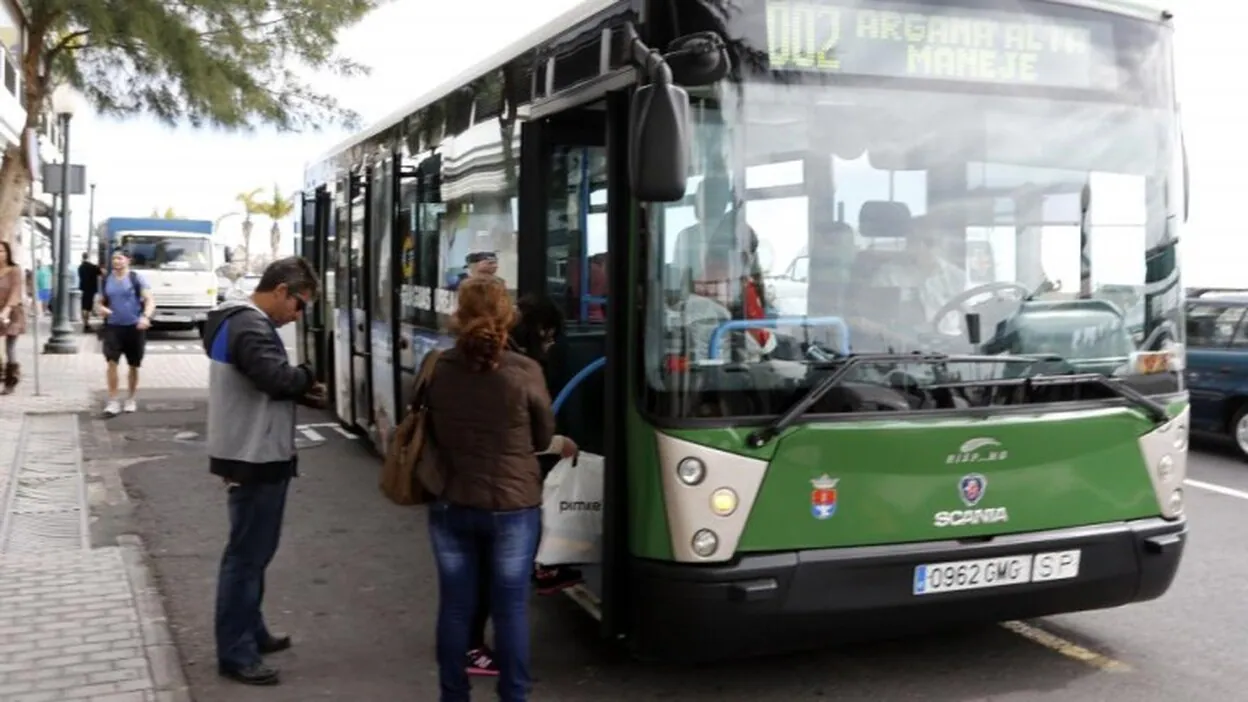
[[177, 258]]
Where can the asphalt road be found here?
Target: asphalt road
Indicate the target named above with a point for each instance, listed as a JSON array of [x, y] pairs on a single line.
[[354, 584]]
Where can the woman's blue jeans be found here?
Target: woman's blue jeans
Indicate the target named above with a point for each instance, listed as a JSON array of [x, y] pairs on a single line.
[[462, 538]]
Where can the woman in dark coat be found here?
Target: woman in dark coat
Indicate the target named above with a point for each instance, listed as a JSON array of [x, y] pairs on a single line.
[[540, 324]]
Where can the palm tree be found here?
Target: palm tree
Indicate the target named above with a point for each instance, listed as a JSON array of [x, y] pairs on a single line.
[[251, 205], [277, 209]]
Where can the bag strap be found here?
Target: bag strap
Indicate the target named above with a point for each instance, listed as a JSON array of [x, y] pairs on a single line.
[[427, 366]]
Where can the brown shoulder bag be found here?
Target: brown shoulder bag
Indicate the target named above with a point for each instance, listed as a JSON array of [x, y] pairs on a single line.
[[409, 475]]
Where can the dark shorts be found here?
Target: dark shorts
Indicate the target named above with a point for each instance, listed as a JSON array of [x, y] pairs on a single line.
[[124, 341], [88, 300]]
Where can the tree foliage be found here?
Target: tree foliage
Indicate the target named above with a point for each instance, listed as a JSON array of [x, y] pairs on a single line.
[[226, 64], [222, 63]]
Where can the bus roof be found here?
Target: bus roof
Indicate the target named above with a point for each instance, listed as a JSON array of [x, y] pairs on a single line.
[[585, 10], [548, 31]]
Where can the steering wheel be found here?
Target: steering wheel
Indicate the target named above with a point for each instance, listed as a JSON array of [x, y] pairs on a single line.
[[958, 303]]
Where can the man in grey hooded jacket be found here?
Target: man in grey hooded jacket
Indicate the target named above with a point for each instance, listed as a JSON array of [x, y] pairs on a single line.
[[253, 391]]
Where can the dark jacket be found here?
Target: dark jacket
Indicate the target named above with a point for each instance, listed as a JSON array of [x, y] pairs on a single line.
[[487, 428], [252, 391]]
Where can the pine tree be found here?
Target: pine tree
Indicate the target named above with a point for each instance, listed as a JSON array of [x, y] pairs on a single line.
[[228, 64]]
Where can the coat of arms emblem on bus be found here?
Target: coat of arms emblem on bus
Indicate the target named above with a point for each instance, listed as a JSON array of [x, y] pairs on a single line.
[[971, 488], [823, 497]]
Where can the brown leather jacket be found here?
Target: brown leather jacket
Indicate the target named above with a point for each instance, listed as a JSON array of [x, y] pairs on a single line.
[[486, 428]]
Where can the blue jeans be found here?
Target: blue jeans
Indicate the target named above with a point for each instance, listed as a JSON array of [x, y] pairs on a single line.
[[256, 511], [461, 537]]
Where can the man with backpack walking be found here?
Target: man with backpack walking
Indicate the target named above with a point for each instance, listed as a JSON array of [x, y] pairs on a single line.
[[125, 304]]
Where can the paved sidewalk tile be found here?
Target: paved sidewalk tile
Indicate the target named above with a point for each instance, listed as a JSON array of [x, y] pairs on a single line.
[[76, 623]]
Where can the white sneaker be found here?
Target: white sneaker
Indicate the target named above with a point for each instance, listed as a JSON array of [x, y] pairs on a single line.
[[131, 406], [113, 408]]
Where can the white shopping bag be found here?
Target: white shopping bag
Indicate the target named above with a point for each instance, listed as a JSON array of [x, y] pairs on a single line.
[[572, 512]]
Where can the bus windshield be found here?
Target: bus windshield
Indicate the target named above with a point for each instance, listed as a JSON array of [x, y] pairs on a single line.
[[167, 253], [978, 183]]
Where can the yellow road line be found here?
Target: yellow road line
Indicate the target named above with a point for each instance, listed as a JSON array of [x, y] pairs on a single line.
[[1066, 648]]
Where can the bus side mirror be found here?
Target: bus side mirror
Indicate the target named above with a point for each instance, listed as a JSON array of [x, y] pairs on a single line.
[[658, 142], [697, 59], [229, 255]]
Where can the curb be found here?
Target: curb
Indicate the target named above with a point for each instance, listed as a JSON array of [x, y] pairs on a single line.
[[162, 655]]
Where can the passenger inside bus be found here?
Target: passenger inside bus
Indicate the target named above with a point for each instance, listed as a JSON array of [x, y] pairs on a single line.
[[595, 308], [710, 206], [477, 264], [724, 290]]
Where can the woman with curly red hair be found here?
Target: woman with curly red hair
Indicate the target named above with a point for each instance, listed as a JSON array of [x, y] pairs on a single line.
[[489, 414]]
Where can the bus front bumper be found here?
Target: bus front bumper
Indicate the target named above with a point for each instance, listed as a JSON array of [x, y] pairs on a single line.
[[775, 602]]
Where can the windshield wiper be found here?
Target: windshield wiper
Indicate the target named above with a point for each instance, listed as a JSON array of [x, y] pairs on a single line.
[[759, 438], [1154, 409]]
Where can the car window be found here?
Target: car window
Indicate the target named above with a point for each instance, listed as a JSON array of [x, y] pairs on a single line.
[[801, 268], [1240, 339], [1212, 325]]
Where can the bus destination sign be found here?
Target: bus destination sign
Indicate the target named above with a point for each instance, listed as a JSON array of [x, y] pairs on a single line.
[[939, 42]]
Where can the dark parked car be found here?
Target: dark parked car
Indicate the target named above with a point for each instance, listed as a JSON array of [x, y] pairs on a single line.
[[1217, 363]]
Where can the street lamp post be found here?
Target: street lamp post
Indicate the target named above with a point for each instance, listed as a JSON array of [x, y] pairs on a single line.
[[64, 101], [91, 222]]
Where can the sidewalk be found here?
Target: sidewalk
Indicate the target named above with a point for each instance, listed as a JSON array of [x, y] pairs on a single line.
[[76, 622]]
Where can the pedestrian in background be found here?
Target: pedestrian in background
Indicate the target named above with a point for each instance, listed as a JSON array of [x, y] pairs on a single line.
[[253, 391], [489, 415], [125, 303], [89, 285], [12, 317], [43, 289]]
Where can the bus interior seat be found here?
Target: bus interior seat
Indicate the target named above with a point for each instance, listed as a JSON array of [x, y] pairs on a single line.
[[877, 219]]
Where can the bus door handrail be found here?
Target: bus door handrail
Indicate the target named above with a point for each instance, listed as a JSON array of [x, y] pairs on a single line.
[[772, 323], [575, 381]]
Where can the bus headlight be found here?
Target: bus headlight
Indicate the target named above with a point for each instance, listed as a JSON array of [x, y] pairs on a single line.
[[691, 471], [1176, 501], [1165, 468], [1180, 440], [724, 502], [705, 542]]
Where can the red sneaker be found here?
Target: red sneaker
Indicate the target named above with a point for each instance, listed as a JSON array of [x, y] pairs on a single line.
[[481, 662], [555, 579]]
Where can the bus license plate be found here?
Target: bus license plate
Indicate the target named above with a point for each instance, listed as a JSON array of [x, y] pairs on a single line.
[[995, 572]]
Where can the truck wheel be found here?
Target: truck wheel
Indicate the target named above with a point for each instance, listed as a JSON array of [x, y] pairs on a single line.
[[1238, 430]]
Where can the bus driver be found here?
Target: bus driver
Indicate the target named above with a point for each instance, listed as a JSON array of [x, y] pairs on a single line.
[[933, 279]]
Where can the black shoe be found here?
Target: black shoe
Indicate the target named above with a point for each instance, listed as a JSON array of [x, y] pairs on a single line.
[[254, 674], [278, 642]]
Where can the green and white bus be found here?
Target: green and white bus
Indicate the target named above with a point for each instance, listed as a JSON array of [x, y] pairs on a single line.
[[833, 275]]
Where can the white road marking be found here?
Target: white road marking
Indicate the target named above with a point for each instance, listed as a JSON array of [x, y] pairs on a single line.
[[1220, 489], [310, 430]]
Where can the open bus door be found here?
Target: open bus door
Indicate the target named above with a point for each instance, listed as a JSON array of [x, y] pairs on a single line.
[[574, 210], [316, 245], [351, 330]]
